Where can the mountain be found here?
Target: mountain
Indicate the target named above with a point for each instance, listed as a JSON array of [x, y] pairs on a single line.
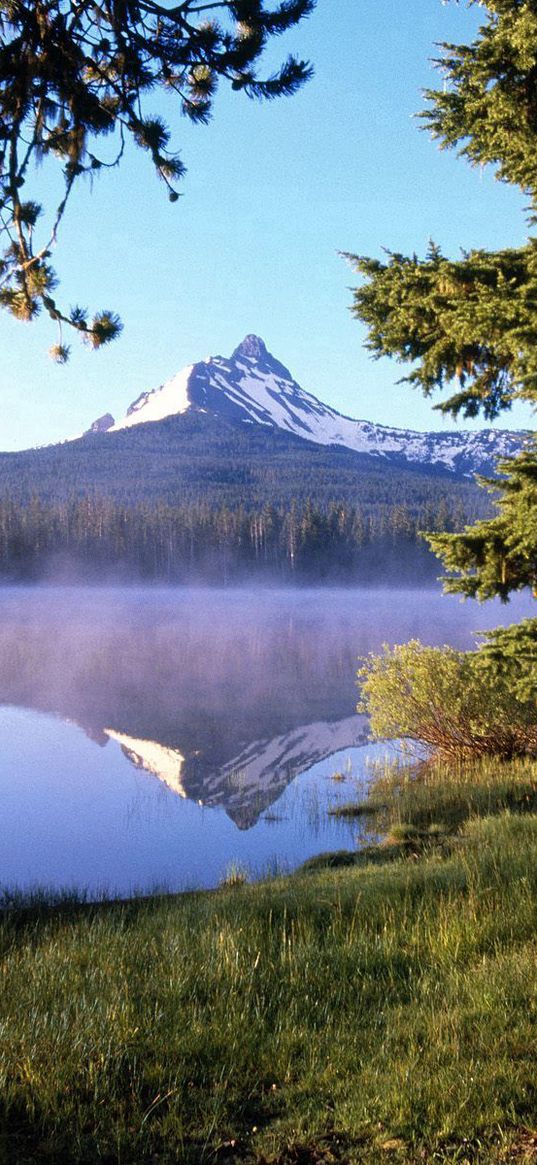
[[252, 387], [241, 434]]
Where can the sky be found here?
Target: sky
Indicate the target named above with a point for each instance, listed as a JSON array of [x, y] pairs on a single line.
[[273, 194]]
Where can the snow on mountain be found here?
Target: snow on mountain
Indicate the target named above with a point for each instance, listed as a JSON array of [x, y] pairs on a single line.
[[252, 387], [255, 779], [172, 397]]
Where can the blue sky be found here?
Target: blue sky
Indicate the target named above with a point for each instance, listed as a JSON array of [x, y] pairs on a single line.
[[273, 193]]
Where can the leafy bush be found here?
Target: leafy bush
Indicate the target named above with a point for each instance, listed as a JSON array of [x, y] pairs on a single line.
[[448, 699]]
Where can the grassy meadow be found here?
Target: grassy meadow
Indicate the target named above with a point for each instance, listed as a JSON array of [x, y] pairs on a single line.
[[372, 1007]]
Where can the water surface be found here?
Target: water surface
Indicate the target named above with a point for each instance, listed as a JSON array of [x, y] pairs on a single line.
[[152, 738]]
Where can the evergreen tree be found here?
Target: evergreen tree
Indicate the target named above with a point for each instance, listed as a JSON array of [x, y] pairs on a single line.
[[75, 71], [498, 556], [470, 326]]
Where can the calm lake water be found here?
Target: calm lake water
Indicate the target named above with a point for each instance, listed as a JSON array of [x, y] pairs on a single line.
[[153, 738]]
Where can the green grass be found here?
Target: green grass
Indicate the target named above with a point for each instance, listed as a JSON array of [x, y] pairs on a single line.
[[439, 793], [351, 809], [383, 1009]]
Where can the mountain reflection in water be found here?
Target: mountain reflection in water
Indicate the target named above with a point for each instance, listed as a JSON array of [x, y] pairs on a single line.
[[225, 696], [249, 783]]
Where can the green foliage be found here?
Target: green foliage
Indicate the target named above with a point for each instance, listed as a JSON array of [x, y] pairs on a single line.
[[511, 653], [499, 555], [450, 700], [473, 322], [73, 73], [488, 103], [471, 325]]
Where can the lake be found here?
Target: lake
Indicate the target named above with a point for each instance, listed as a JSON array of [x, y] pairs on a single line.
[[156, 738]]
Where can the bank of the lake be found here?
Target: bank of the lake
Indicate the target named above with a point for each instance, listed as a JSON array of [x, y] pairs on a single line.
[[380, 1010]]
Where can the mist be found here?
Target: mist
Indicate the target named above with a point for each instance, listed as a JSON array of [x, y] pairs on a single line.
[[242, 660]]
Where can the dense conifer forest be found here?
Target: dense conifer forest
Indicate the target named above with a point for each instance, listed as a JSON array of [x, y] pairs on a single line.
[[197, 499], [95, 538], [192, 458]]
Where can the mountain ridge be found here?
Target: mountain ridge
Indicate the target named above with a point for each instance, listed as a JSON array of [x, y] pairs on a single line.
[[254, 387]]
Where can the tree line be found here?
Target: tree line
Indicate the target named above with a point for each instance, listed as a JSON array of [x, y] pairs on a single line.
[[96, 538]]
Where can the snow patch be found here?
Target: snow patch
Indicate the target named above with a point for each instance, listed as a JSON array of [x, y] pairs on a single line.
[[171, 398]]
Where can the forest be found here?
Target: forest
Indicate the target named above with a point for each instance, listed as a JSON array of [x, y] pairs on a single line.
[[95, 538], [199, 457]]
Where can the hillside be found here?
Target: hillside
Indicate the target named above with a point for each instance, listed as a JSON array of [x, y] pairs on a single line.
[[196, 457]]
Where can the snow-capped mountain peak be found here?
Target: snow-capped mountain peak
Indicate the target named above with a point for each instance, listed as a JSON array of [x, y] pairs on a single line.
[[253, 387]]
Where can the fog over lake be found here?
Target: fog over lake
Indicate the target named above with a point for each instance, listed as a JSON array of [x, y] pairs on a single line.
[[150, 737]]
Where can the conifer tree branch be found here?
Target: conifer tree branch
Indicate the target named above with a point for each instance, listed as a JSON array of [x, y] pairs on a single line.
[[468, 327], [72, 71]]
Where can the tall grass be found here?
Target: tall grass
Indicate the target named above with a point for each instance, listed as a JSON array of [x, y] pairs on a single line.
[[435, 791], [385, 1012]]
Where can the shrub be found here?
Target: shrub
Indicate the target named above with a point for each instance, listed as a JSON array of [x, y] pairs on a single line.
[[446, 699]]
